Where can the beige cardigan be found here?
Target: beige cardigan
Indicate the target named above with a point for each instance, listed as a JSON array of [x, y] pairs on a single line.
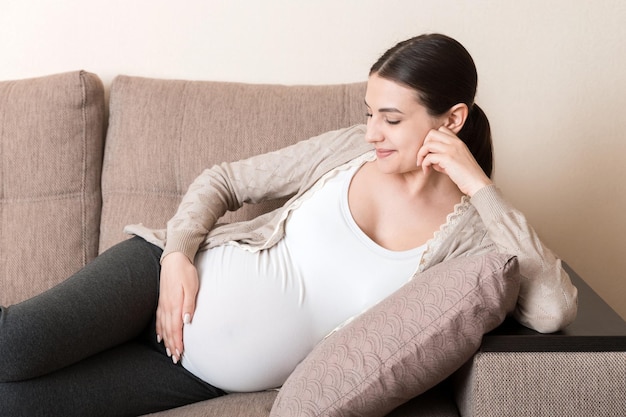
[[547, 301]]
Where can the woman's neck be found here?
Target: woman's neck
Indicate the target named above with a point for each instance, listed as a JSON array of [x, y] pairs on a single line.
[[419, 185]]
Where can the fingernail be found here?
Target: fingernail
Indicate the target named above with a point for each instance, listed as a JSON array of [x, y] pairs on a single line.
[[159, 338], [175, 360], [187, 318], [178, 353], [169, 353]]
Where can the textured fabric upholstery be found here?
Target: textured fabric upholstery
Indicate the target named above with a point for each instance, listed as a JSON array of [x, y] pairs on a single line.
[[437, 402], [163, 133], [517, 384], [256, 404], [51, 140]]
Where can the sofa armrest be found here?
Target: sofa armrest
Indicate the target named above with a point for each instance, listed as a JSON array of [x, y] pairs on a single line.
[[597, 328], [580, 371]]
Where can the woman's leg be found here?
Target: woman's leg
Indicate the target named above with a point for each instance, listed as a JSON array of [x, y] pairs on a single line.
[[107, 303], [129, 380], [88, 346]]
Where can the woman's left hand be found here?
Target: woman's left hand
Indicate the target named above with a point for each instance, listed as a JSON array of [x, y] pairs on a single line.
[[178, 289], [444, 152]]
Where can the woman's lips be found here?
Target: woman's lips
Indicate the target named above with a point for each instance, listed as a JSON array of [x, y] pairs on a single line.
[[383, 153]]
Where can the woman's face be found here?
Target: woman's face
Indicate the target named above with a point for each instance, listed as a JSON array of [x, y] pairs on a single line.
[[396, 124]]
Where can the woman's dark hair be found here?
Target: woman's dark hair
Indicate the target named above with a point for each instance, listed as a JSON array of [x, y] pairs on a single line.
[[443, 74]]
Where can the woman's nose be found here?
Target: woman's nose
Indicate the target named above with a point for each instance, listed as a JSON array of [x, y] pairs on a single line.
[[373, 133]]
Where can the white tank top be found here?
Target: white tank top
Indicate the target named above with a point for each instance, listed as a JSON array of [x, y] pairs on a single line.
[[260, 313]]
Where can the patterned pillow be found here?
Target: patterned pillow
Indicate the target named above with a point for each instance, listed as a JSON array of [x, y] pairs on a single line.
[[406, 344]]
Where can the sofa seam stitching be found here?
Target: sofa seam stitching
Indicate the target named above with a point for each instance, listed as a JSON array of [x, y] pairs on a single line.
[[81, 75], [181, 127]]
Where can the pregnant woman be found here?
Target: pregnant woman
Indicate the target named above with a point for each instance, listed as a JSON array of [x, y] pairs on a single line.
[[194, 311]]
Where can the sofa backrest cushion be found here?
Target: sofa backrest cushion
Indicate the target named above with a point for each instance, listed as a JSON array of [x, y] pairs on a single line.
[[51, 142], [163, 133]]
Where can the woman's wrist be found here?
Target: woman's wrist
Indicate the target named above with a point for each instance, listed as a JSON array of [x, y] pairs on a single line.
[[477, 186], [175, 257]]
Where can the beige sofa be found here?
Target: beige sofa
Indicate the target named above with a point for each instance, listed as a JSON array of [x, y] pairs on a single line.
[[72, 175]]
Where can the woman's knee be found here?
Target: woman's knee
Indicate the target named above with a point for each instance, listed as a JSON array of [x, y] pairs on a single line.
[[23, 352], [107, 302]]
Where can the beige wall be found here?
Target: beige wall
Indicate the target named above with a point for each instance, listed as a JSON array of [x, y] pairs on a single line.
[[552, 79]]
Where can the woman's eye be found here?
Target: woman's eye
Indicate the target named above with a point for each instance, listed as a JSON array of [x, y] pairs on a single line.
[[390, 122]]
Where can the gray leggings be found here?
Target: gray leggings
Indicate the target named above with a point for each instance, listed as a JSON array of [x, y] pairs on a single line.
[[87, 347]]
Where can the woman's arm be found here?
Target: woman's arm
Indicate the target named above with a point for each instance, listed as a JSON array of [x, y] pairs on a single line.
[[547, 301], [225, 187], [221, 188]]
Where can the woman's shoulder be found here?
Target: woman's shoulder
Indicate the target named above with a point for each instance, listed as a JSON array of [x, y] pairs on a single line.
[[463, 233]]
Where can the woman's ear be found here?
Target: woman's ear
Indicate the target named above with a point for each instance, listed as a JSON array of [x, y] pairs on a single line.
[[456, 117]]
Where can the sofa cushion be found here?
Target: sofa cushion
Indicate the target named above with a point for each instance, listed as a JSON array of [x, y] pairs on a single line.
[[406, 344], [51, 141], [526, 384], [250, 404], [163, 133]]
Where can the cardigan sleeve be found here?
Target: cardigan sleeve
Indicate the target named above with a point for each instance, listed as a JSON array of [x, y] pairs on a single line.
[[227, 186], [547, 300]]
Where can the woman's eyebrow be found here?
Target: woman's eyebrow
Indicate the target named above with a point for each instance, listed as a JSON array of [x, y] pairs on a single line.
[[387, 109], [390, 110]]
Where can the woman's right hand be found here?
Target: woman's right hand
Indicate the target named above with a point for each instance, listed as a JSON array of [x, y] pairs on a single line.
[[444, 152], [177, 301]]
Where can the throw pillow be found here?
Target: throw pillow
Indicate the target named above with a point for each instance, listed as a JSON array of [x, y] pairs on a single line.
[[406, 344]]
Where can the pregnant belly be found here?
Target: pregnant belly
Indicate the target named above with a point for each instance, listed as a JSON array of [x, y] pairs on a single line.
[[250, 329]]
